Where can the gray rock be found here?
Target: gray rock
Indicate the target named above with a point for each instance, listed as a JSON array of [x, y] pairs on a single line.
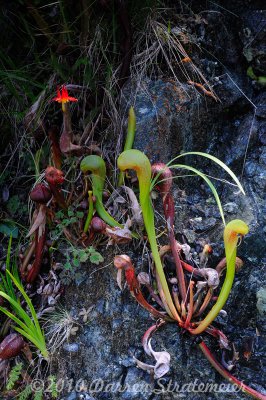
[[136, 385], [261, 301], [162, 115]]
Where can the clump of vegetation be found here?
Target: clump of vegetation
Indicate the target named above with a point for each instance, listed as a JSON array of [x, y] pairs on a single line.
[[181, 299], [69, 175]]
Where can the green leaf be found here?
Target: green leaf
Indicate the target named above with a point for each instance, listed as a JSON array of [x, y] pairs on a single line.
[[96, 258], [14, 376], [70, 213], [59, 214], [76, 262], [214, 159], [53, 386], [8, 229], [67, 265], [25, 394], [207, 180], [80, 214], [83, 256], [38, 395]]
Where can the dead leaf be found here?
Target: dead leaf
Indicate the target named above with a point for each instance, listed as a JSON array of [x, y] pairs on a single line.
[[119, 277], [39, 222], [162, 365], [119, 235], [143, 278], [145, 367], [135, 207], [211, 275]]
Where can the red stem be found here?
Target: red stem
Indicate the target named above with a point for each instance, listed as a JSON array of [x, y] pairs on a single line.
[[36, 266], [219, 368], [124, 262], [169, 212], [135, 289], [190, 311], [53, 134]]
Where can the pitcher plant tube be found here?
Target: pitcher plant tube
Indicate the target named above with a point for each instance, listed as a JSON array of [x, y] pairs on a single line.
[[96, 165], [232, 232], [138, 161]]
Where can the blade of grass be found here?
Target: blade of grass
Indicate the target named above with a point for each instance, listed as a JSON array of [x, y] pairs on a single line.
[[16, 320], [214, 159], [18, 309], [28, 301], [207, 180]]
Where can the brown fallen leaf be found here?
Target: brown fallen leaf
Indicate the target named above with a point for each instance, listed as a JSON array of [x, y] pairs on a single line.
[[135, 207], [119, 235], [39, 222]]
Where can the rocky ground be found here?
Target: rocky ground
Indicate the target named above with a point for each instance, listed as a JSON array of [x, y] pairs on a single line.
[[172, 119]]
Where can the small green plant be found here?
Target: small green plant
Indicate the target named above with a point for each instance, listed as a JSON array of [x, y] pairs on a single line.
[[26, 392], [6, 282], [52, 386], [13, 376], [79, 256], [65, 220], [38, 395], [27, 324]]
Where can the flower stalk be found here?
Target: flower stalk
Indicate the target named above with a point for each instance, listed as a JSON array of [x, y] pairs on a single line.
[[164, 186], [222, 371]]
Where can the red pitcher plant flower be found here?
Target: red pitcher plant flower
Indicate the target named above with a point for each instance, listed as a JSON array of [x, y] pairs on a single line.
[[63, 97]]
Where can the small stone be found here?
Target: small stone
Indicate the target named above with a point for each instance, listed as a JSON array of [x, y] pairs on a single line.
[[230, 208], [71, 347], [190, 235]]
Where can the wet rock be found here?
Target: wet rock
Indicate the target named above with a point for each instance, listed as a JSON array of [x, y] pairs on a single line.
[[136, 385], [261, 301], [203, 225], [72, 396], [162, 113]]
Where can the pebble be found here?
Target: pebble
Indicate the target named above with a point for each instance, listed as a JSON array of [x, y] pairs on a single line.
[[71, 347]]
